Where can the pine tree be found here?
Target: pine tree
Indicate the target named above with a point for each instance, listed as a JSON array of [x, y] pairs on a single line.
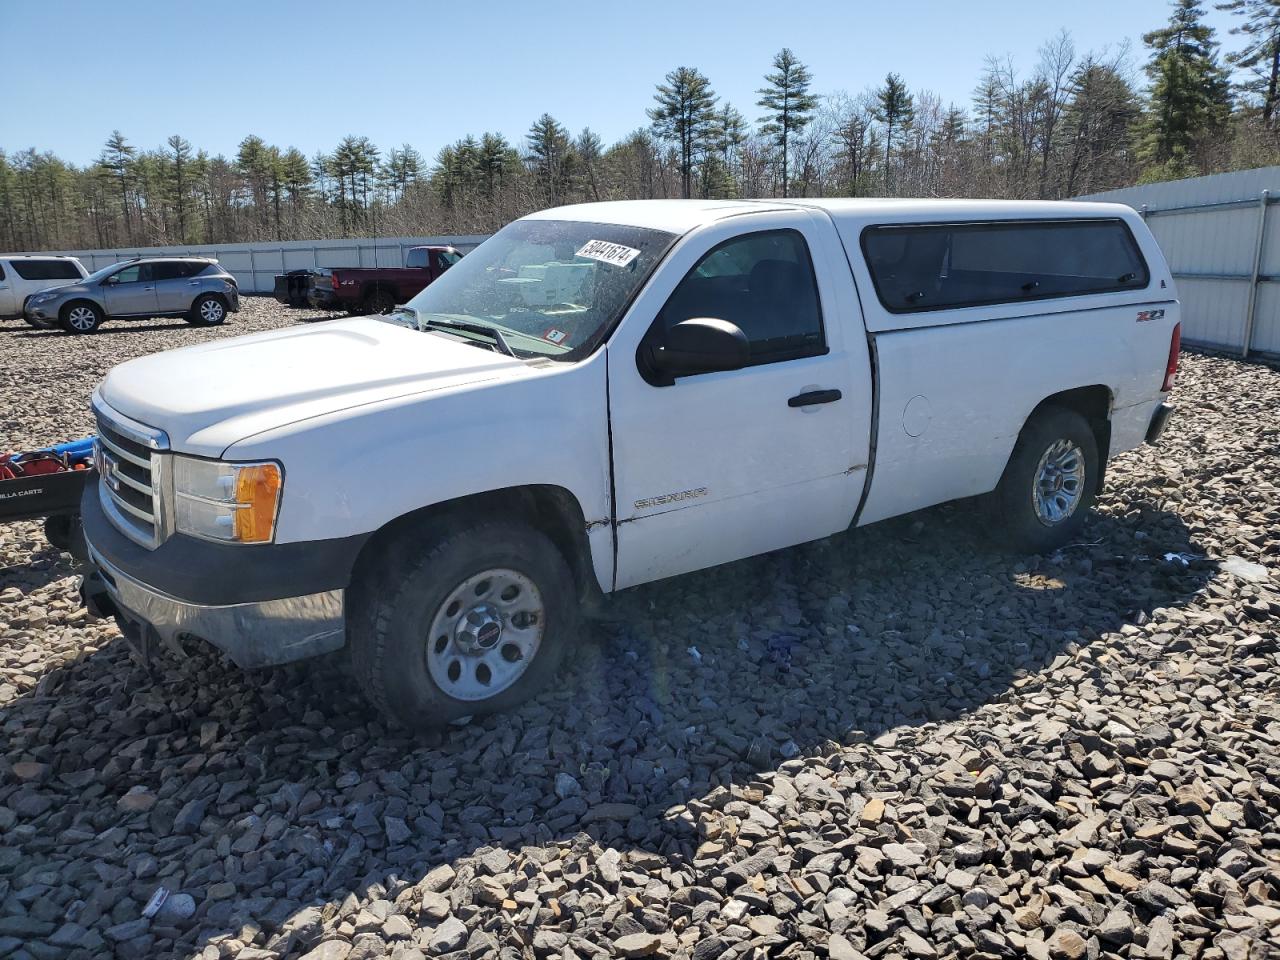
[[180, 187], [499, 162], [789, 103], [1190, 98], [684, 116], [1261, 54], [297, 174], [589, 147], [894, 107], [116, 162], [550, 159]]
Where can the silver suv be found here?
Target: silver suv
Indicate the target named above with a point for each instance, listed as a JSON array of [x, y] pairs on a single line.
[[198, 290]]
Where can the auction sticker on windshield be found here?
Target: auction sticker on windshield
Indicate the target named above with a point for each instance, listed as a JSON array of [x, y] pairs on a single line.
[[606, 252]]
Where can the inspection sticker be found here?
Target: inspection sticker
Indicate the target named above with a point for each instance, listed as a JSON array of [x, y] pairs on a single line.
[[554, 336], [606, 252]]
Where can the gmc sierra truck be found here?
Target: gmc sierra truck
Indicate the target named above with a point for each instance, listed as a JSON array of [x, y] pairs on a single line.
[[604, 395], [377, 289]]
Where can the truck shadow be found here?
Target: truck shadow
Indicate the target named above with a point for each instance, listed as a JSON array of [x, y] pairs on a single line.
[[691, 685]]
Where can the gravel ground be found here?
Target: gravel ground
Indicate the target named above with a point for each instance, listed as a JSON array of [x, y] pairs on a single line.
[[899, 743]]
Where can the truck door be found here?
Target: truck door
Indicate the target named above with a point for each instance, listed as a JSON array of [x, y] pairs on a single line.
[[131, 291], [724, 465]]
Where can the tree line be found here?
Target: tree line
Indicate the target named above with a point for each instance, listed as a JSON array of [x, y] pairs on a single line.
[[1072, 123]]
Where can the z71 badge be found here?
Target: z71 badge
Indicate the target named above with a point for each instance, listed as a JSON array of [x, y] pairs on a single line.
[[1145, 315]]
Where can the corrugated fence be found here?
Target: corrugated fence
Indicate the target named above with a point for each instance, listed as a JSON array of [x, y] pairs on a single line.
[[1223, 245], [255, 265]]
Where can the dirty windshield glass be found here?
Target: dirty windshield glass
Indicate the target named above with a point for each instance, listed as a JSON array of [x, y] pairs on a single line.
[[549, 287]]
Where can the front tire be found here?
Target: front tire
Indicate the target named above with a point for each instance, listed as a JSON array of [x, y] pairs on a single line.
[[81, 317], [461, 619], [208, 311], [1049, 484]]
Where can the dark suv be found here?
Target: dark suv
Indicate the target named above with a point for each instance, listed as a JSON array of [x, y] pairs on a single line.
[[198, 290]]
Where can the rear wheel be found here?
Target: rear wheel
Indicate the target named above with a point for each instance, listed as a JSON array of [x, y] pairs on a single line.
[[81, 316], [460, 620], [379, 301], [1050, 482], [208, 311]]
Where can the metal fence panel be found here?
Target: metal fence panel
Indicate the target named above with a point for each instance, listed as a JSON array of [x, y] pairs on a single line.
[[255, 265], [1266, 336], [1222, 242]]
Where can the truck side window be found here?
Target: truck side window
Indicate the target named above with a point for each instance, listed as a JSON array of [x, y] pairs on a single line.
[[923, 267], [763, 282]]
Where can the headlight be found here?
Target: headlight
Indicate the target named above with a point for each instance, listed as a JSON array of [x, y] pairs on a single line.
[[44, 297], [232, 502]]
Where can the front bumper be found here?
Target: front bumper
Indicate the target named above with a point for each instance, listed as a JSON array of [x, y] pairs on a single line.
[[257, 634], [43, 315], [1159, 420]]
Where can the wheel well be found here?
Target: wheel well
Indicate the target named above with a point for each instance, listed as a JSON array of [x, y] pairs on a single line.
[[550, 509], [1094, 404]]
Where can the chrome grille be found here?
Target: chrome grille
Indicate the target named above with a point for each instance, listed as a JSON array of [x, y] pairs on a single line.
[[130, 462]]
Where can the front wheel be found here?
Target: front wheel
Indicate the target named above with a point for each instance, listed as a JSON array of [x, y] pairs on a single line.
[[208, 311], [467, 619], [81, 317], [1050, 482]]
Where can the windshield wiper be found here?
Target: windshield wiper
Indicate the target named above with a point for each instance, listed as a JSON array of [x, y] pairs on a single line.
[[478, 328]]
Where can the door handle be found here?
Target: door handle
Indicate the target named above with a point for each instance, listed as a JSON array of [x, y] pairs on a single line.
[[193, 283], [814, 397]]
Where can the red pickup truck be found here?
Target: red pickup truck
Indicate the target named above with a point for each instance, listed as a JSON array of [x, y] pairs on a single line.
[[378, 289]]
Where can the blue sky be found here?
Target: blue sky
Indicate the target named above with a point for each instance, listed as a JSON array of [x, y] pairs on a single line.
[[307, 73]]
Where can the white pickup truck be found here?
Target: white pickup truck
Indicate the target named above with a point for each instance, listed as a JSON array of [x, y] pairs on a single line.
[[608, 394]]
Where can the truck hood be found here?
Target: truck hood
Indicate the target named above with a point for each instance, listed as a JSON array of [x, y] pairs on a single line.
[[209, 396]]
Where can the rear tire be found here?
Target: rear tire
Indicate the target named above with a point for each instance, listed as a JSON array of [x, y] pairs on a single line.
[[460, 618], [1049, 484], [209, 310], [81, 316], [380, 301]]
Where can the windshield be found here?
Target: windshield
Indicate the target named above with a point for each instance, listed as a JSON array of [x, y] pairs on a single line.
[[102, 272], [550, 287]]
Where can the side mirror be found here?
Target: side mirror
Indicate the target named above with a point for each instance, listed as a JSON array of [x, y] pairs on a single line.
[[700, 345], [110, 281]]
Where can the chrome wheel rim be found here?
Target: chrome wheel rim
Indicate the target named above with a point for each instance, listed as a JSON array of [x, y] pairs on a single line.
[[81, 318], [485, 634], [1059, 482], [211, 311]]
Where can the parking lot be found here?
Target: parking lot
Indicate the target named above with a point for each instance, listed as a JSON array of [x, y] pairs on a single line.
[[896, 743]]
